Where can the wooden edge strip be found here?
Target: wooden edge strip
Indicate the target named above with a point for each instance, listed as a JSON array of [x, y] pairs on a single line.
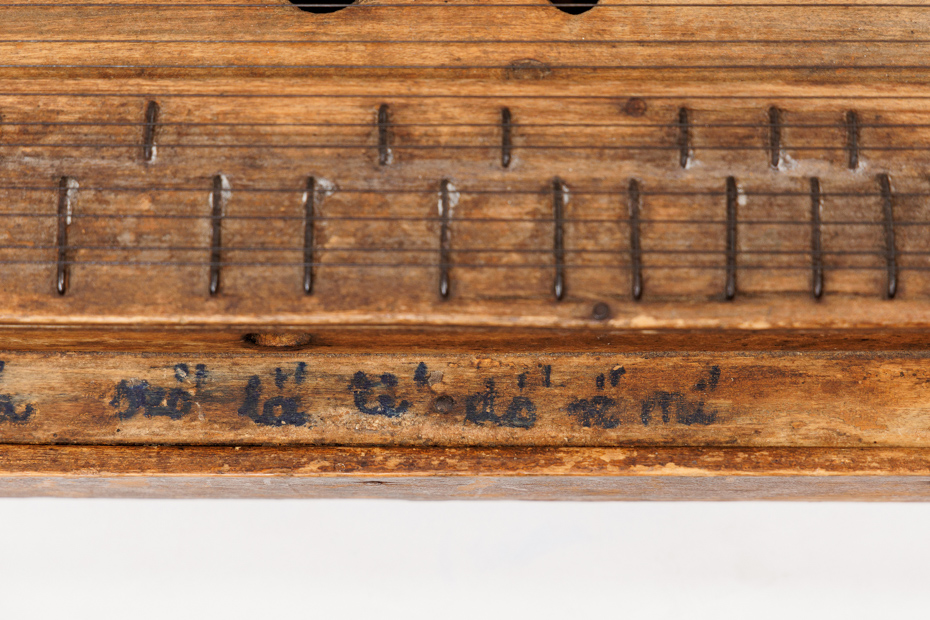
[[545, 488], [328, 461]]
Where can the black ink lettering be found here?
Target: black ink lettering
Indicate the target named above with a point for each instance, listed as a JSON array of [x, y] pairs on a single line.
[[8, 410], [421, 375], [479, 409], [253, 393], [710, 382], [547, 376], [134, 397], [615, 375], [515, 418], [175, 404], [301, 373], [362, 387], [594, 412], [150, 401], [521, 380], [658, 399], [275, 411], [687, 411], [201, 375]]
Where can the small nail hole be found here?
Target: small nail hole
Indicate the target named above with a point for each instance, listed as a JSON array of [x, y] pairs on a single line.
[[444, 404]]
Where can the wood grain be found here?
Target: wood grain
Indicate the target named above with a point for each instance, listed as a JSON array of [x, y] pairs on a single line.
[[657, 242], [850, 399]]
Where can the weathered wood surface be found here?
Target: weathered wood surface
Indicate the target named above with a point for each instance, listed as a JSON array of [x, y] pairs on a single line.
[[340, 461], [144, 229], [268, 96], [685, 239], [849, 399], [474, 473]]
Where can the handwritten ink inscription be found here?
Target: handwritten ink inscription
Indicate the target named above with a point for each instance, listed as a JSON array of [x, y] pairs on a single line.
[[385, 403], [280, 407], [283, 398], [599, 411], [688, 408], [520, 412], [135, 397], [9, 411], [603, 411]]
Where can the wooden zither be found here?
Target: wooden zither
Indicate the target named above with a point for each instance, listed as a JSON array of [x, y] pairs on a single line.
[[465, 248]]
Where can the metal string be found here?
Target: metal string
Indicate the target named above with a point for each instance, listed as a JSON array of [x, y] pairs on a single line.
[[463, 67], [545, 266], [632, 125], [544, 5], [439, 147], [493, 96]]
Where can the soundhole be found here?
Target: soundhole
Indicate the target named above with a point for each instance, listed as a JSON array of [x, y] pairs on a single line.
[[574, 7], [321, 6]]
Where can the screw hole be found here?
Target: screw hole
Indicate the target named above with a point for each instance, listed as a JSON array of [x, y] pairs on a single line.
[[601, 312], [321, 6], [282, 340], [574, 7]]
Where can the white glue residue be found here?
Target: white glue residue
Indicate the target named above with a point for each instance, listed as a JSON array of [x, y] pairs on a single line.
[[453, 199], [689, 160], [225, 193], [324, 188], [70, 199]]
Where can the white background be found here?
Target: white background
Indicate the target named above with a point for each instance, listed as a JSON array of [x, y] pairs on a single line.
[[378, 559]]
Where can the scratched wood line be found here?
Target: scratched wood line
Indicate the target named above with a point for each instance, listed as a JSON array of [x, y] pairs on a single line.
[[597, 399]]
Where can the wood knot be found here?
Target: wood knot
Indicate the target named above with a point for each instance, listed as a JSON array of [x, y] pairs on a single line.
[[635, 107]]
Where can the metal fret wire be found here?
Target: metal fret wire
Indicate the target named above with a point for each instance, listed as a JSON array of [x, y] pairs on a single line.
[[513, 250]]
